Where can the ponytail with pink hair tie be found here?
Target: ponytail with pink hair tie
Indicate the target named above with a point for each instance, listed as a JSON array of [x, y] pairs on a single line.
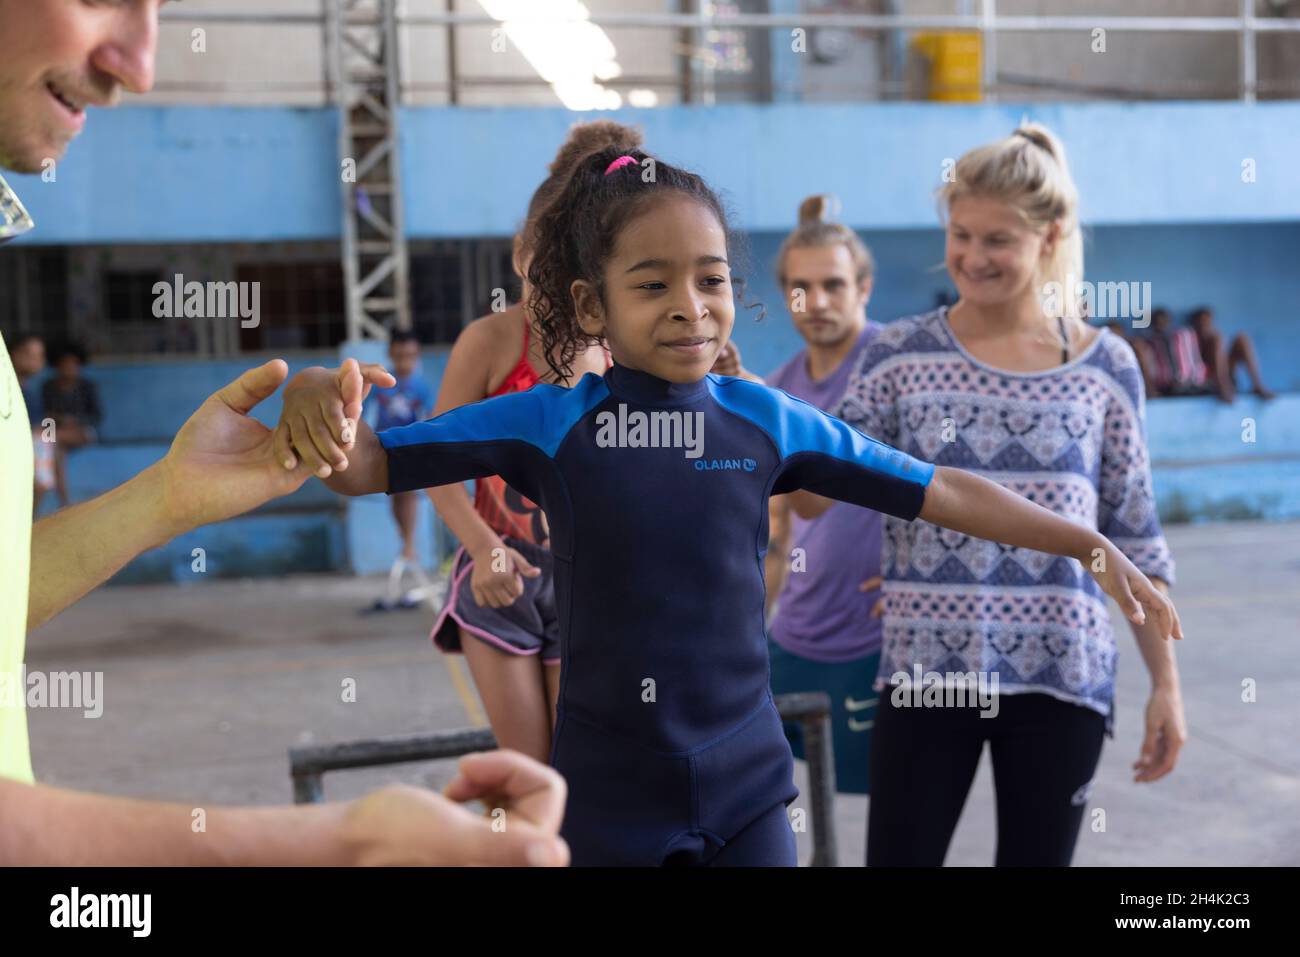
[[619, 163]]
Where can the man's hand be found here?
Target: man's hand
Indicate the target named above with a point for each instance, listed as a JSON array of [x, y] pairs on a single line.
[[407, 825], [728, 361], [47, 826], [873, 584], [222, 462]]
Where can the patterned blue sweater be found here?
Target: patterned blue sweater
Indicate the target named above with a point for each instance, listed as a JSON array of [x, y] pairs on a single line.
[[1072, 439]]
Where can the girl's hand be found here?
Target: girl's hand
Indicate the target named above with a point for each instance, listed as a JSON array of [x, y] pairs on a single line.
[[321, 409], [1134, 592], [498, 577], [1166, 733]]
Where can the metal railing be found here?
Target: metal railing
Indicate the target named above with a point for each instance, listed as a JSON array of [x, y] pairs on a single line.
[[812, 710], [987, 22]]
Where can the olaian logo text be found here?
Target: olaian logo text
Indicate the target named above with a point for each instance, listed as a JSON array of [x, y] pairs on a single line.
[[738, 465]]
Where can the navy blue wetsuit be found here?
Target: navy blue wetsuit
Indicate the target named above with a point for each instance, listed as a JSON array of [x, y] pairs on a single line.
[[656, 493]]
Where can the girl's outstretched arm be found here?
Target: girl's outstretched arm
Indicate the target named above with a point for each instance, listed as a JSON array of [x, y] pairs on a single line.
[[507, 435], [965, 502], [367, 469]]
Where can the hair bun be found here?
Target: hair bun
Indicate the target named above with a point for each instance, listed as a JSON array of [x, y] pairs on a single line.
[[592, 137], [1039, 137], [822, 208]]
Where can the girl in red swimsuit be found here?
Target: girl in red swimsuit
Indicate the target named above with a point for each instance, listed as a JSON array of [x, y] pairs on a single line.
[[500, 610]]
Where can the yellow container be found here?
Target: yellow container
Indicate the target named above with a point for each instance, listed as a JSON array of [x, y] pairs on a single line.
[[954, 58]]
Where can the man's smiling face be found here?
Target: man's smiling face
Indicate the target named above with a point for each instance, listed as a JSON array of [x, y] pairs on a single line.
[[60, 57]]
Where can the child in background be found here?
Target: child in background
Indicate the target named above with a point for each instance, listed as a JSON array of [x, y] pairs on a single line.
[[655, 480], [410, 400], [72, 401]]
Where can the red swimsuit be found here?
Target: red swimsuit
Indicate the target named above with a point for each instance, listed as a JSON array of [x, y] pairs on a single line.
[[508, 513]]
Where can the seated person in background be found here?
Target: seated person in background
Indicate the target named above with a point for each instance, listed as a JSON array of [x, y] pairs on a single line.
[[72, 401], [1176, 364], [1221, 361]]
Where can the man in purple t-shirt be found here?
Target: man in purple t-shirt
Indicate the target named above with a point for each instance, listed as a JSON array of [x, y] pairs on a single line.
[[823, 575]]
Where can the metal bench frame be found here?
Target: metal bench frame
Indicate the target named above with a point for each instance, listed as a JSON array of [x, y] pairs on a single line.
[[812, 710]]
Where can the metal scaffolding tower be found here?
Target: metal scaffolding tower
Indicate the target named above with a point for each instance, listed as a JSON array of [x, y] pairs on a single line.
[[363, 57]]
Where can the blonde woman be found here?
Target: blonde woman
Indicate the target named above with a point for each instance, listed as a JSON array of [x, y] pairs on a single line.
[[1010, 383]]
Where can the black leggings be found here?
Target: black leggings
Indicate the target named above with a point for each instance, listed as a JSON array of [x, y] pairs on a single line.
[[923, 760]]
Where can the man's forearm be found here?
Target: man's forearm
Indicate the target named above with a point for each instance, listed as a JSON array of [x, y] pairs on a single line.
[[77, 548], [41, 825]]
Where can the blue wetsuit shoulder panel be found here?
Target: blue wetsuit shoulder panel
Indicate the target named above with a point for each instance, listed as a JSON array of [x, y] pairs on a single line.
[[826, 455], [490, 437]]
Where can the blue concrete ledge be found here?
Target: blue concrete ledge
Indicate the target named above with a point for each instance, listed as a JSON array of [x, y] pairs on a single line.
[[254, 546], [302, 532], [95, 469], [150, 401], [311, 530], [1206, 469]]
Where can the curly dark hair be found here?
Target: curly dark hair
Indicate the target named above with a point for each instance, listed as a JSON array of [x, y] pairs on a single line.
[[583, 139], [576, 234]]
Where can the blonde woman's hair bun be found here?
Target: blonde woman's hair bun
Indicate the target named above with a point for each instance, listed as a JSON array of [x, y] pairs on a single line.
[[1041, 137]]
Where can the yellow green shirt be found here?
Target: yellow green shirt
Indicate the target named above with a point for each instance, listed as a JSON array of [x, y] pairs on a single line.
[[15, 566]]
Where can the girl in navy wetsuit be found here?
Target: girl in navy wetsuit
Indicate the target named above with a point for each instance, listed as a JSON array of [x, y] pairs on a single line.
[[655, 480], [500, 609]]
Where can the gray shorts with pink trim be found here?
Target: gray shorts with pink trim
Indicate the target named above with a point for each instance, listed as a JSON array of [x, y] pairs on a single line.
[[530, 626]]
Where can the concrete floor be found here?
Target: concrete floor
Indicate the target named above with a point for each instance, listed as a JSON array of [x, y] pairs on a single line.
[[206, 686]]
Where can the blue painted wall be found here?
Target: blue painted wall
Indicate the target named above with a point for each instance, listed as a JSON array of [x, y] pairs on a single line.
[[155, 174], [192, 174]]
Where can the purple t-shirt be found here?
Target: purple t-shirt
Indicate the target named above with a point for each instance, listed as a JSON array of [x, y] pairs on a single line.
[[821, 613]]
